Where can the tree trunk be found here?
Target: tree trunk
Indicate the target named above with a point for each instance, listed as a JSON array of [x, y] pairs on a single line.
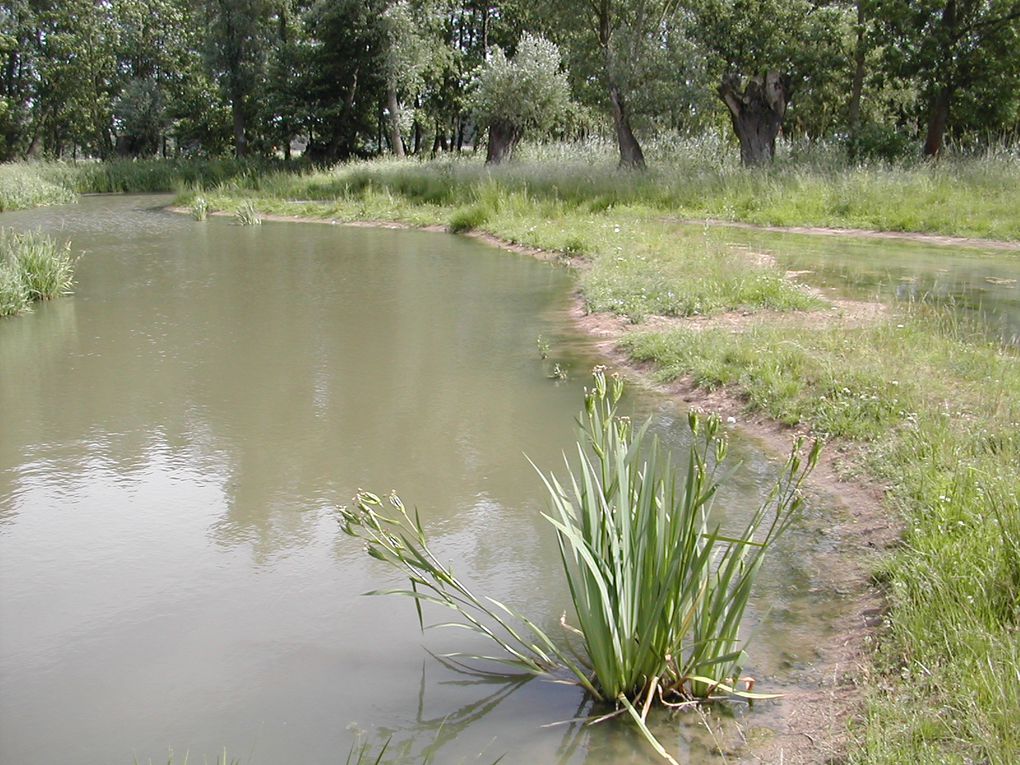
[[393, 107], [938, 120], [857, 85], [757, 114], [503, 139], [631, 156], [240, 134]]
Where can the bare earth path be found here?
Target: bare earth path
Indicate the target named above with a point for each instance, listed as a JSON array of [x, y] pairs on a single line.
[[861, 233]]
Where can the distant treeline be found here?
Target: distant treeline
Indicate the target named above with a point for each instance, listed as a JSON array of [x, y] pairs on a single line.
[[351, 78]]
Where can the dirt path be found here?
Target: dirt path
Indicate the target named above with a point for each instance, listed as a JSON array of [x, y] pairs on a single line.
[[860, 233], [811, 725]]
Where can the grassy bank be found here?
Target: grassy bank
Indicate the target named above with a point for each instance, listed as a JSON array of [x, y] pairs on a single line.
[[929, 405], [688, 178], [966, 197], [32, 267], [34, 184]]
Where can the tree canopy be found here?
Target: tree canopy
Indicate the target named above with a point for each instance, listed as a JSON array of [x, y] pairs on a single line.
[[350, 78]]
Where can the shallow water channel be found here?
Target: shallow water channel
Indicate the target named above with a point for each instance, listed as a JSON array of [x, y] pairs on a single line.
[[175, 437], [976, 284]]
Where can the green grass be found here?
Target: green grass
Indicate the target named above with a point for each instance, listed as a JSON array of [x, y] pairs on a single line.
[[967, 196], [32, 267], [937, 409], [33, 184], [23, 186], [247, 214]]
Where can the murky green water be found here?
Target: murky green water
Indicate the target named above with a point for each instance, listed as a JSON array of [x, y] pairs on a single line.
[[174, 439], [975, 284]]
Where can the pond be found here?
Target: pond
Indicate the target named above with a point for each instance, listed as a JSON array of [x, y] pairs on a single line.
[[177, 435]]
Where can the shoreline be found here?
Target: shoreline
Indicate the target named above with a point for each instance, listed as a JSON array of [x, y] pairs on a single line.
[[813, 719], [918, 237]]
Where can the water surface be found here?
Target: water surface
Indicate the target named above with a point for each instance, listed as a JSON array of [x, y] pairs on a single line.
[[176, 436], [977, 284]]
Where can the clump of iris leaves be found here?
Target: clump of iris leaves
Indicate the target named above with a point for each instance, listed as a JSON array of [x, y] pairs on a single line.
[[658, 590]]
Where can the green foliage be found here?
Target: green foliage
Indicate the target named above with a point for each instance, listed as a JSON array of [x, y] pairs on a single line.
[[468, 218], [23, 186], [964, 54], [199, 208], [247, 214], [32, 267], [527, 91], [658, 590]]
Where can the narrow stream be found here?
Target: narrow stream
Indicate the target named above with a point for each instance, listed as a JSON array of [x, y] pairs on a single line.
[[175, 438]]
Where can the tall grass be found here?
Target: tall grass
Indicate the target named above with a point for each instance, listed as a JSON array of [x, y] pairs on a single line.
[[247, 214], [962, 195], [23, 186], [32, 184], [658, 590], [32, 267]]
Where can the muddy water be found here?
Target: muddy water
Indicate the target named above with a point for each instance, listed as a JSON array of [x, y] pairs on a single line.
[[980, 285], [174, 439]]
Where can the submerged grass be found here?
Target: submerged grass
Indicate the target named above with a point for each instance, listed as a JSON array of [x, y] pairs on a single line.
[[658, 591], [32, 267]]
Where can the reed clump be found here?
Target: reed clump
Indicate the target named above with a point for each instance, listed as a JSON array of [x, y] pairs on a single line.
[[247, 214], [33, 267], [23, 186], [199, 208], [658, 589]]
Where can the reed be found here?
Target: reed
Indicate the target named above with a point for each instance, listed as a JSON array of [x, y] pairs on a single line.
[[33, 266], [247, 214], [199, 208], [658, 590], [23, 186]]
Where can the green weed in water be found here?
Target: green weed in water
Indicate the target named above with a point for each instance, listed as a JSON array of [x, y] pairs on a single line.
[[32, 267], [658, 591], [247, 214], [199, 208]]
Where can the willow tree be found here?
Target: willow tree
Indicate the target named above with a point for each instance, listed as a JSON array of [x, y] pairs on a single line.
[[512, 95], [965, 57], [619, 54], [763, 51]]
